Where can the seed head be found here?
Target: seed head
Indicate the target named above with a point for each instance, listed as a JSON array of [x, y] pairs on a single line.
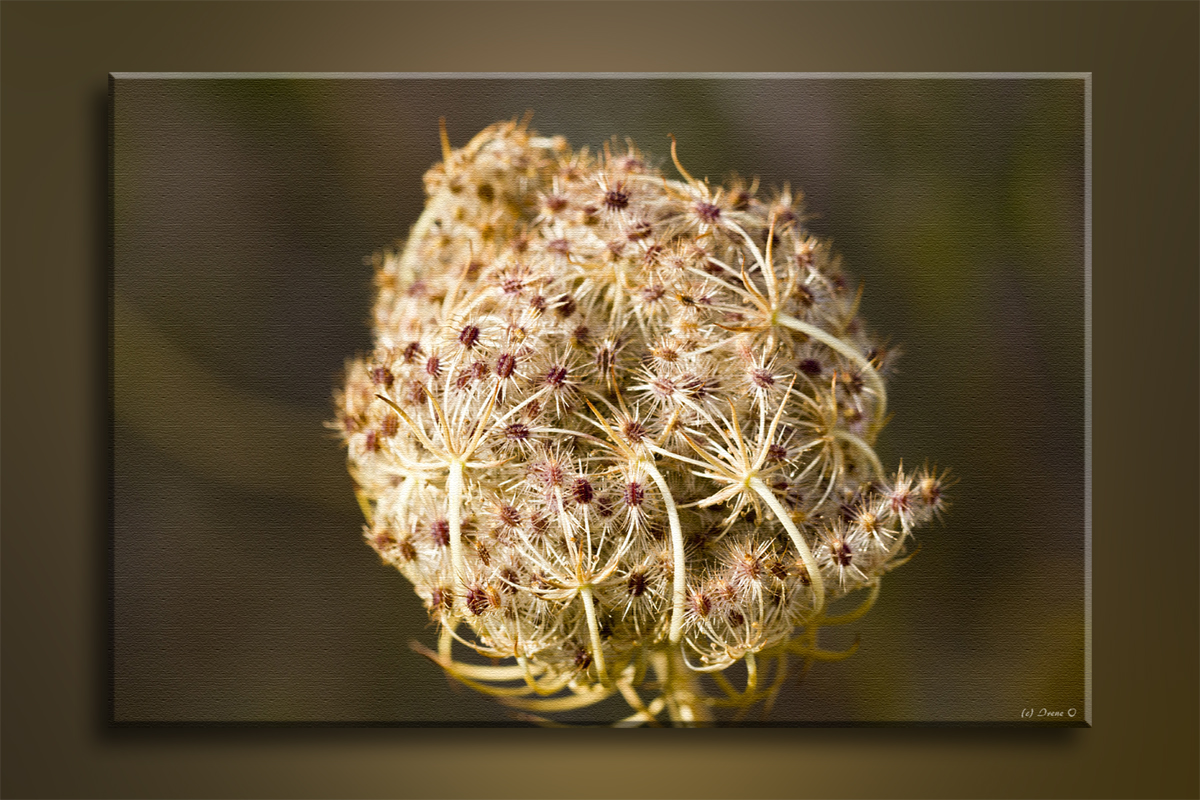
[[619, 421]]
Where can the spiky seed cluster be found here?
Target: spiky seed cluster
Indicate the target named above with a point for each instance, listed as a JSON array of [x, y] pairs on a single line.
[[613, 415]]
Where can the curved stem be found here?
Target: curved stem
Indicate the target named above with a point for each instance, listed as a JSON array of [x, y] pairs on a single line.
[[536, 395], [857, 613], [645, 713], [589, 607], [869, 372], [684, 697], [816, 654], [555, 704], [454, 490], [554, 686], [446, 642], [810, 563], [767, 268], [511, 672], [863, 448], [626, 684], [406, 491], [731, 693], [679, 587]]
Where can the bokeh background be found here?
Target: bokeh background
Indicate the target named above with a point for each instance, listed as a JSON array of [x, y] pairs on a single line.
[[242, 213]]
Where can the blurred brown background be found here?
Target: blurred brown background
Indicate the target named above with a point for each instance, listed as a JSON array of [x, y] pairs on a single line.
[[242, 213]]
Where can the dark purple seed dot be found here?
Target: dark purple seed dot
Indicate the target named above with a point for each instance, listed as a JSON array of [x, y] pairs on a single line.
[[508, 577], [441, 599], [762, 379], [468, 336], [777, 568], [635, 495], [707, 212], [440, 531], [582, 491], [382, 376], [615, 199], [661, 386], [407, 551], [433, 366], [556, 376], [553, 474], [652, 294], [565, 307], [605, 356], [605, 506], [810, 367], [633, 431], [505, 364], [637, 583], [510, 515], [477, 600], [410, 351]]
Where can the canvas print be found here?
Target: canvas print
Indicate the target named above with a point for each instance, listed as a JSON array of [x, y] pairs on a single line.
[[569, 400]]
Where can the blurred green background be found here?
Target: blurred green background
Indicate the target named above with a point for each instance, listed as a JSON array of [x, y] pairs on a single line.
[[243, 210]]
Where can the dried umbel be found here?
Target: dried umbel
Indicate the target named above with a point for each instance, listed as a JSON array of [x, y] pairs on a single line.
[[617, 431]]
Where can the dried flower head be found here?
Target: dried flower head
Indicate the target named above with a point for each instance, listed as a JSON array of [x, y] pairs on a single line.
[[619, 425]]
